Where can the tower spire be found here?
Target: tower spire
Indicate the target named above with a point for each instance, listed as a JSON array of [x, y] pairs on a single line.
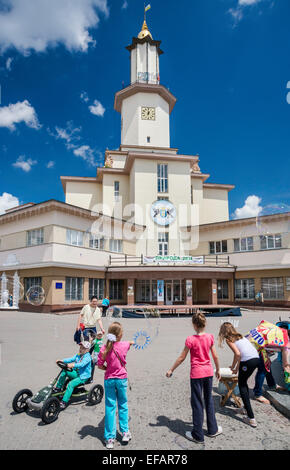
[[145, 31]]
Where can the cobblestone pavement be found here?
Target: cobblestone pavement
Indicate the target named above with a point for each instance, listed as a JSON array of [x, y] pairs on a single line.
[[159, 408]]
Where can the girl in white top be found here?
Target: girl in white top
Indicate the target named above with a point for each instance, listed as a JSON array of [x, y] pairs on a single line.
[[246, 360]]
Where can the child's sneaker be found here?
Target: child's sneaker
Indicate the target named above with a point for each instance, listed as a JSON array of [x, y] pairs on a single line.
[[110, 443], [251, 422], [126, 436], [63, 405]]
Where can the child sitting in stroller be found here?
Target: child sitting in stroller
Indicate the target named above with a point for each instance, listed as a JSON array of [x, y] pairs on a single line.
[[80, 370], [96, 340]]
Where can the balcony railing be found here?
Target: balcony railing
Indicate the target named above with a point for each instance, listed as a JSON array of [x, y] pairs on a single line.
[[202, 260]]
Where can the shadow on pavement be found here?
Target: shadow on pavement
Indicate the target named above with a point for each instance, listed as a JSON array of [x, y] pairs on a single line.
[[175, 425], [93, 431]]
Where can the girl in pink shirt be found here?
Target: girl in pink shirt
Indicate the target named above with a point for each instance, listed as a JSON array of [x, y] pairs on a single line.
[[113, 353], [201, 377]]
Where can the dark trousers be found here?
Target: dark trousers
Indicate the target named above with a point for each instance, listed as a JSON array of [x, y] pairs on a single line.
[[105, 308], [202, 388], [245, 371], [260, 377]]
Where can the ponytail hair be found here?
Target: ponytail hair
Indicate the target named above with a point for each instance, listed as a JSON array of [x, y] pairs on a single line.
[[199, 320], [115, 329]]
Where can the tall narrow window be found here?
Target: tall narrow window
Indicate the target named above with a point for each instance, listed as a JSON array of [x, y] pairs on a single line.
[[245, 288], [162, 178], [74, 288], [116, 246], [97, 288], [163, 239], [117, 190]]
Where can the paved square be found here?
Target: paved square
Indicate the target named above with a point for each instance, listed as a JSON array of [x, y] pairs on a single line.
[[159, 408]]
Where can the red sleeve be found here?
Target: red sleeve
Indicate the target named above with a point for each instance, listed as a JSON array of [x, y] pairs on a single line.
[[188, 342], [212, 341]]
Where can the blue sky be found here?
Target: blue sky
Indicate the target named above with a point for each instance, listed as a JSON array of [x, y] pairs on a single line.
[[226, 61]]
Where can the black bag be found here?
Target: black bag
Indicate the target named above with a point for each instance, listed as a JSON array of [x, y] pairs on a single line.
[[78, 336]]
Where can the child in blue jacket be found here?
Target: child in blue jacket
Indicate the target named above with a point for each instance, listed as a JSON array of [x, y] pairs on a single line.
[[81, 370]]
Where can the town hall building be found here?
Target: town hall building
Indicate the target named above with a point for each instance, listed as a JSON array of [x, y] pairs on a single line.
[[149, 228]]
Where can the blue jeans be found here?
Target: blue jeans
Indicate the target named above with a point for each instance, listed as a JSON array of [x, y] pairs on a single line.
[[260, 377], [116, 391], [199, 388]]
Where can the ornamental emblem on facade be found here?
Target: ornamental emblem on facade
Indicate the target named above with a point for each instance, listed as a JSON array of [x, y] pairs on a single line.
[[163, 213]]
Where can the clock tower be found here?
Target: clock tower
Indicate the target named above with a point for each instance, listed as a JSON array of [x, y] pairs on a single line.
[[145, 105]]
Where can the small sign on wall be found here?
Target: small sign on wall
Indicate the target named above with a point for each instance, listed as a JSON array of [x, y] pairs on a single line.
[[58, 285]]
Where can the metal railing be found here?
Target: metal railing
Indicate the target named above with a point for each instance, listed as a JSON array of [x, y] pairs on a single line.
[[208, 260]]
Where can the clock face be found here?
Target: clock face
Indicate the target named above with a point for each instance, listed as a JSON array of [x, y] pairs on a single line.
[[147, 113]]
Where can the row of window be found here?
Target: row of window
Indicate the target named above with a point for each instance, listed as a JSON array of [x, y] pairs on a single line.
[[146, 290], [75, 238], [267, 242], [272, 288], [74, 287]]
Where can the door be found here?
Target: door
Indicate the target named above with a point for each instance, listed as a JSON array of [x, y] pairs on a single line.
[[168, 293]]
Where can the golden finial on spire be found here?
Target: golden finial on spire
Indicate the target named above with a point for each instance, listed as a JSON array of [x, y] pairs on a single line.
[[145, 31]]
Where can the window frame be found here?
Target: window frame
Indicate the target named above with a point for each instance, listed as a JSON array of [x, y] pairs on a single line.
[[239, 240], [162, 178], [275, 238], [79, 237], [78, 289], [35, 234]]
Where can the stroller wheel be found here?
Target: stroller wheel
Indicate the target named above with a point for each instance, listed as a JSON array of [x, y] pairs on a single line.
[[50, 410], [95, 395], [19, 401]]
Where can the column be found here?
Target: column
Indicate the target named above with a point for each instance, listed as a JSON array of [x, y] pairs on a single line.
[[213, 299], [130, 292], [16, 290]]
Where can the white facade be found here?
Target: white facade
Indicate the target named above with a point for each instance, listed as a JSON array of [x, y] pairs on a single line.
[[141, 132]]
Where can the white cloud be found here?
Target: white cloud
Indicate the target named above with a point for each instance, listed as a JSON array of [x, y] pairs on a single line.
[[25, 165], [248, 2], [84, 96], [97, 108], [238, 11], [35, 25], [251, 208], [50, 164], [86, 153], [16, 113], [8, 63], [125, 5], [69, 134], [7, 201]]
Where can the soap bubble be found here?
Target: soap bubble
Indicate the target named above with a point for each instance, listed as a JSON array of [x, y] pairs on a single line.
[[141, 340], [35, 295], [112, 314], [153, 320]]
